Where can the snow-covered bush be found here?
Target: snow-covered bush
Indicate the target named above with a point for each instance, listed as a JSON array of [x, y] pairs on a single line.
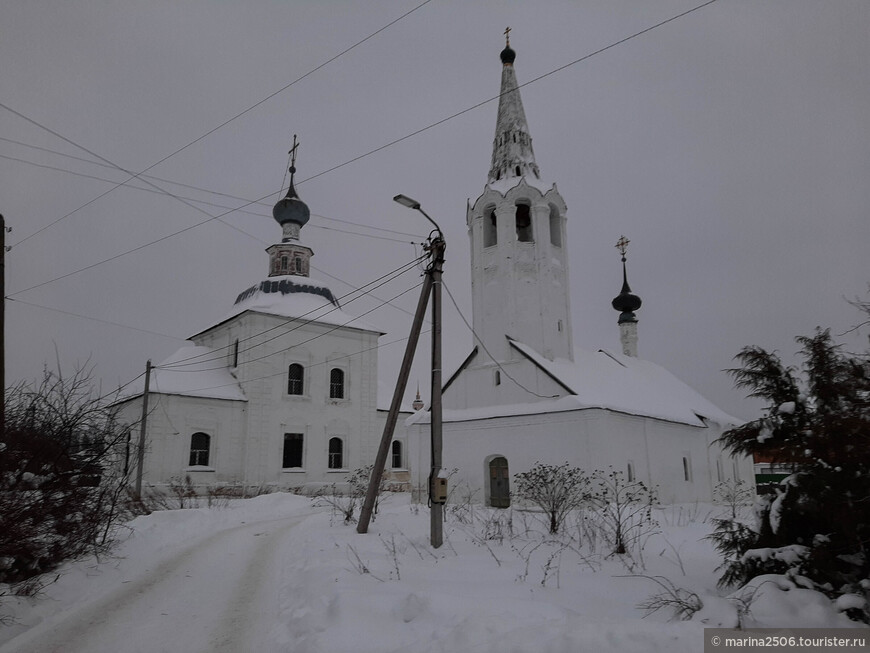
[[819, 423], [63, 477]]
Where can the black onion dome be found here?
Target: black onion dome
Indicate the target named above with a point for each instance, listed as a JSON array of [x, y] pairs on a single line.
[[508, 55], [291, 208], [626, 302]]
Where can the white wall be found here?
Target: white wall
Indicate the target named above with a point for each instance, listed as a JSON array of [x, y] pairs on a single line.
[[588, 439]]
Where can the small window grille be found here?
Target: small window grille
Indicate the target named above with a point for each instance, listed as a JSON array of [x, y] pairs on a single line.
[[295, 377], [336, 383], [336, 453], [200, 443]]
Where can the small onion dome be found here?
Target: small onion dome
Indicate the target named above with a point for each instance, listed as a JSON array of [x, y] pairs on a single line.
[[291, 208], [508, 55], [626, 302]]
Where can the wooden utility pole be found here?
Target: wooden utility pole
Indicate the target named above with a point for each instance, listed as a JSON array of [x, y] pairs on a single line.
[[2, 324], [436, 511], [387, 436], [142, 426]]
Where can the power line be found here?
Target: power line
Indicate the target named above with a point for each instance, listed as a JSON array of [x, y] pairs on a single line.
[[390, 276], [208, 133], [298, 344], [94, 319], [496, 97], [493, 358], [178, 183], [354, 159], [282, 372]]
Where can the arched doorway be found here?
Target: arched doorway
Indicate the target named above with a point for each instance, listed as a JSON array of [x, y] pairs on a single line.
[[499, 483]]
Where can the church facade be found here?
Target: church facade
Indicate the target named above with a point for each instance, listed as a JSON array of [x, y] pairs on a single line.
[[281, 392], [524, 394]]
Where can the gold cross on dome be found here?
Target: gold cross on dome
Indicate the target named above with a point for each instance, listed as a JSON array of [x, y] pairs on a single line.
[[622, 244], [507, 37]]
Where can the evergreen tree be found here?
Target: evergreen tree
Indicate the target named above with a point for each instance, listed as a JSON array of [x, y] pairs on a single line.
[[818, 420]]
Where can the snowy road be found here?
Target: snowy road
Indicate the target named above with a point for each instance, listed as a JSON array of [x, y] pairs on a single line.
[[187, 603]]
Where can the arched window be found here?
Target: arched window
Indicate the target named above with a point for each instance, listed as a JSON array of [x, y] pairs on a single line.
[[295, 377], [336, 383], [555, 227], [336, 453], [524, 223], [396, 455], [200, 443], [490, 229], [283, 263], [519, 172], [630, 472], [236, 353]]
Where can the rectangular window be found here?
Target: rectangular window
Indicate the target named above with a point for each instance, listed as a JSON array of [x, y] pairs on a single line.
[[292, 450], [687, 468]]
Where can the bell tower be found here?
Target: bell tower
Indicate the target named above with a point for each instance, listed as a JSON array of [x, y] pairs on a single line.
[[519, 258]]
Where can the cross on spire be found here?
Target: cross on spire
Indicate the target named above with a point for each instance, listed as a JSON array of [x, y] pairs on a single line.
[[622, 245], [292, 152], [507, 37]]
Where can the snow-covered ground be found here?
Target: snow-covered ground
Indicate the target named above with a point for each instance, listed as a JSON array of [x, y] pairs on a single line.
[[276, 573]]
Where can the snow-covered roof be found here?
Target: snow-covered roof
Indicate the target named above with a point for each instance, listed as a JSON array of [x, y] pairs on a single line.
[[505, 184], [292, 296], [609, 381], [191, 371]]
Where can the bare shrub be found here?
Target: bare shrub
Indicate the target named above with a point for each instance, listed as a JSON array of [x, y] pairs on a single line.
[[63, 477], [682, 602], [555, 489], [623, 511]]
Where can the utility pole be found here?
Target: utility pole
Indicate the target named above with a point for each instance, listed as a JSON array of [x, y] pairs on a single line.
[[142, 426], [387, 436], [2, 324], [436, 512], [432, 285]]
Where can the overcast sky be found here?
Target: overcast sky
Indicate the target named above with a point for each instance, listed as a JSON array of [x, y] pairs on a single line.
[[731, 146]]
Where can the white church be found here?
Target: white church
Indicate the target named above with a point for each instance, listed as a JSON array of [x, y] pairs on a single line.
[[524, 394], [283, 390]]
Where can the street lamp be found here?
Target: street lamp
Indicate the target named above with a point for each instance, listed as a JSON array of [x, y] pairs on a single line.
[[431, 285], [404, 200], [437, 493]]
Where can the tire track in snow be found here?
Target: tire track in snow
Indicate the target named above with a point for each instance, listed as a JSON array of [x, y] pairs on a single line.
[[176, 605]]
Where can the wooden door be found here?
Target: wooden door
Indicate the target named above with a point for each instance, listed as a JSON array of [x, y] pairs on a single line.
[[499, 483]]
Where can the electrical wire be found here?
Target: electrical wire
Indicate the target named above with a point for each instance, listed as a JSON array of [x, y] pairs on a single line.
[[496, 97], [94, 319], [341, 165], [282, 372], [208, 133], [493, 358], [202, 358], [298, 344], [177, 183]]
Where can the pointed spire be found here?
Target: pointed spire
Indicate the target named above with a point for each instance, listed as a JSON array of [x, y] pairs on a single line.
[[626, 303], [512, 153]]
